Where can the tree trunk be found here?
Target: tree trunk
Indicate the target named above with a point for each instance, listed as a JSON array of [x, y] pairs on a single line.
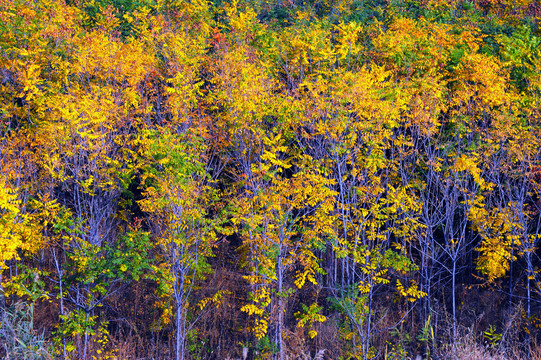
[[180, 332], [453, 290], [280, 306]]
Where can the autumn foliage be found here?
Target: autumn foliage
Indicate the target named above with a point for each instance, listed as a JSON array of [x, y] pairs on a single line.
[[269, 179]]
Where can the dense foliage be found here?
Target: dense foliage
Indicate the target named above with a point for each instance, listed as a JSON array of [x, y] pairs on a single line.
[[255, 179]]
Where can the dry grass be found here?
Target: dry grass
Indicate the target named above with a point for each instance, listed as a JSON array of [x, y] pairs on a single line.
[[468, 349]]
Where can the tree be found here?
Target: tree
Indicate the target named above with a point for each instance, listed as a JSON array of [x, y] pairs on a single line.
[[282, 222], [178, 198]]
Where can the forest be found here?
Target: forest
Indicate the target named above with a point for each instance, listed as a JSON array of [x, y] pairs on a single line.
[[270, 179]]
